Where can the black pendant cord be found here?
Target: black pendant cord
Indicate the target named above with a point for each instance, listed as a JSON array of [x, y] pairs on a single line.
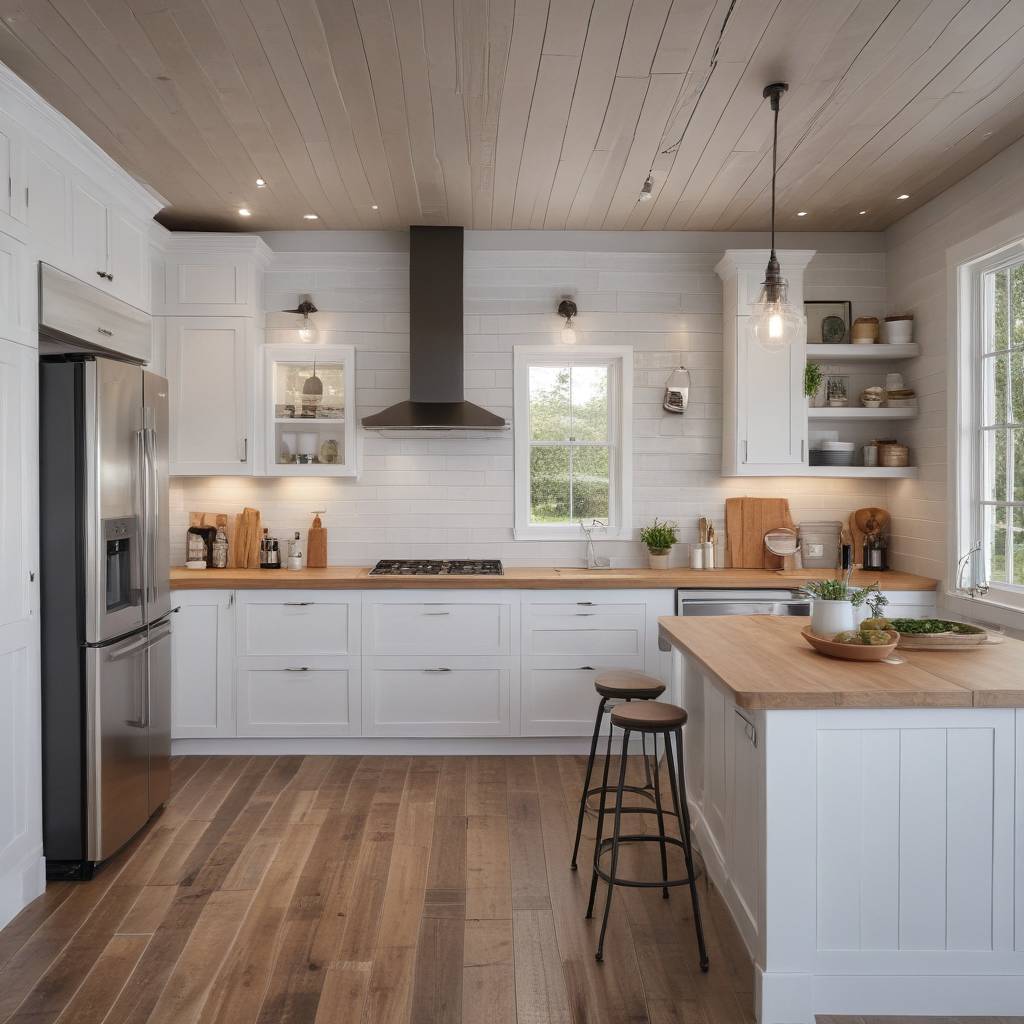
[[773, 273], [775, 154]]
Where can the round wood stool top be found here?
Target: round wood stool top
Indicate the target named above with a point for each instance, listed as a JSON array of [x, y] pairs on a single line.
[[648, 716], [623, 684]]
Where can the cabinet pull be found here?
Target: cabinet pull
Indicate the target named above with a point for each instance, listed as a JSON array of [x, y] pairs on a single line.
[[437, 613], [441, 669], [588, 604], [245, 450], [100, 273], [586, 613], [304, 668], [231, 599], [585, 668], [105, 332], [110, 277], [297, 604]]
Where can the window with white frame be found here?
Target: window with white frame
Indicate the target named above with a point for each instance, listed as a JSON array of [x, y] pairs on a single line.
[[991, 427], [573, 418]]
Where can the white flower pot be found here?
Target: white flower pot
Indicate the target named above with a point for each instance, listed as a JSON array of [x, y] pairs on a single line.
[[831, 617], [658, 559]]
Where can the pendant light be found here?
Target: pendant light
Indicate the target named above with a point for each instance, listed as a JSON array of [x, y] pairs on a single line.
[[570, 332], [774, 323], [307, 329]]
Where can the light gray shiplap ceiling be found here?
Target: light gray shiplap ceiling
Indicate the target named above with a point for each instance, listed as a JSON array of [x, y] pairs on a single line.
[[530, 113]]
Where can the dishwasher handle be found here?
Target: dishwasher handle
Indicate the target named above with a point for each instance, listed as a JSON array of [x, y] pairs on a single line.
[[795, 606]]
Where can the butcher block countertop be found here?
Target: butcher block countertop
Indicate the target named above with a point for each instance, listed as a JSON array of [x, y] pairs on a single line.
[[525, 578], [767, 665]]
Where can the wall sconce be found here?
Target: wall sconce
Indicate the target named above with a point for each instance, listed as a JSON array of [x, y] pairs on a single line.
[[567, 310], [307, 329], [677, 391]]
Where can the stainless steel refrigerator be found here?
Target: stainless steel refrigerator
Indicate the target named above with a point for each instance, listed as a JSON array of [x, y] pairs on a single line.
[[106, 609]]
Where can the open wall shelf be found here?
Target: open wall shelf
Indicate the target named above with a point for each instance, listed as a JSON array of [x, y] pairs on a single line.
[[862, 353]]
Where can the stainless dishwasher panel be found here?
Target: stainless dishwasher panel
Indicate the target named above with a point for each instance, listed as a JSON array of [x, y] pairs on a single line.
[[741, 602]]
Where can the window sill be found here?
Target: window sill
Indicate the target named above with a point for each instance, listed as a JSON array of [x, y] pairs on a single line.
[[989, 609]]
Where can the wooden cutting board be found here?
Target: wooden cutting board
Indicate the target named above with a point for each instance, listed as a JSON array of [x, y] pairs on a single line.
[[747, 520], [862, 522], [230, 526]]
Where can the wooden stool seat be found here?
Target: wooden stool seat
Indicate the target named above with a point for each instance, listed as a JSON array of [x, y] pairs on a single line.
[[648, 716], [622, 684]]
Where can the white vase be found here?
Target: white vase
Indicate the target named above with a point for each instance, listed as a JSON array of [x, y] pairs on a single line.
[[658, 559], [831, 617]]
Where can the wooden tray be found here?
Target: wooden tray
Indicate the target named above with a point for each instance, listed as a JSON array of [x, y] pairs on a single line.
[[948, 641], [850, 652]]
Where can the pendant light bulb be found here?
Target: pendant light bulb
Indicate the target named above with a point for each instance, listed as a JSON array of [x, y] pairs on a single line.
[[307, 326], [774, 323]]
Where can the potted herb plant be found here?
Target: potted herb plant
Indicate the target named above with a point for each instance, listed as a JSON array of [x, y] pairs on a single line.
[[813, 380], [834, 601], [659, 538]]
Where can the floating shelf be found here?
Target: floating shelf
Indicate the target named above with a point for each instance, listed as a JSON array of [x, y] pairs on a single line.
[[301, 424], [855, 412], [862, 353], [886, 472]]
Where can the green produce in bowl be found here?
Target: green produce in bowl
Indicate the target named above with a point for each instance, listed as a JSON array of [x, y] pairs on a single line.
[[849, 636], [876, 624], [875, 637], [922, 627]]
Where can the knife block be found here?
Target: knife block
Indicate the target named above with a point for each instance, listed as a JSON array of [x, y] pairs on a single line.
[[316, 545]]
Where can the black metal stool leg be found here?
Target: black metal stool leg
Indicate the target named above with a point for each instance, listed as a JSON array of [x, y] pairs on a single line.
[[600, 820], [615, 844], [683, 814], [586, 781], [661, 817], [648, 782]]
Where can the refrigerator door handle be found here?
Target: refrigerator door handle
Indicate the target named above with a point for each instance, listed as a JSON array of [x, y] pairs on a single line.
[[152, 521], [143, 470]]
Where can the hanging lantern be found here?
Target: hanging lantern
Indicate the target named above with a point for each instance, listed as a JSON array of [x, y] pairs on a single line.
[[307, 329], [677, 391]]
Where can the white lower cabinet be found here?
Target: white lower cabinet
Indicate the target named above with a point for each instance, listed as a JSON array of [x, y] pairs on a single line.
[[203, 664], [298, 623], [439, 696], [558, 696], [321, 698]]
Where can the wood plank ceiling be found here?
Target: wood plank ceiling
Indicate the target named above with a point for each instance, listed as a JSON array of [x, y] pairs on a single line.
[[530, 113]]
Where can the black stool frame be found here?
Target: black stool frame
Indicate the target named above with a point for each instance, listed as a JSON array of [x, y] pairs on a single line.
[[680, 811], [646, 790]]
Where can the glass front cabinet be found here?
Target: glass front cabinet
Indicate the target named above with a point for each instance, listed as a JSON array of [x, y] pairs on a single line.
[[310, 410]]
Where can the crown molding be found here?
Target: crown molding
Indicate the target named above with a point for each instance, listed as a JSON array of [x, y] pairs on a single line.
[[48, 126], [226, 243]]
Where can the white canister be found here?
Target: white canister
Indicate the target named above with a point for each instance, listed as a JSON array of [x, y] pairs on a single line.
[[831, 617], [696, 556], [898, 330]]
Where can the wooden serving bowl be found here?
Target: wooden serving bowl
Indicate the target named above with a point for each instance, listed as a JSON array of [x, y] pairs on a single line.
[[851, 652]]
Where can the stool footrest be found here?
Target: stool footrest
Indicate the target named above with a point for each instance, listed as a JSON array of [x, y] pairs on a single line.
[[606, 845]]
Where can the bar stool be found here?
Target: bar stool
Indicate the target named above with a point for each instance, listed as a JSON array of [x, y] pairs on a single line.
[[655, 719], [619, 684]]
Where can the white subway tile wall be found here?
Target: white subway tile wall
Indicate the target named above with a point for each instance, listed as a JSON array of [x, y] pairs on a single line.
[[447, 498]]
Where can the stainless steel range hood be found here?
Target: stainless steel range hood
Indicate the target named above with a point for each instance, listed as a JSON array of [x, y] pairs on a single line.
[[436, 397]]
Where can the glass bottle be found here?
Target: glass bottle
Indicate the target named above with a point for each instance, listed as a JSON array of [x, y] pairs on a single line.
[[220, 549]]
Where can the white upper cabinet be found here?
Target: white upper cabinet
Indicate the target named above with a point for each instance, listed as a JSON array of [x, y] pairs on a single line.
[[764, 432], [208, 370], [128, 258], [88, 234], [213, 275], [17, 293], [46, 207], [12, 191]]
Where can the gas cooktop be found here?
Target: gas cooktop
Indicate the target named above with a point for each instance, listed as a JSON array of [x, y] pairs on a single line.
[[434, 567]]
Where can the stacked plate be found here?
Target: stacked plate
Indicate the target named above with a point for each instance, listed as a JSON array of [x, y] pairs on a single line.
[[833, 453]]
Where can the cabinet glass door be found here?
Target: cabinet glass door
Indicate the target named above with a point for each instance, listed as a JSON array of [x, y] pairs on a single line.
[[310, 410]]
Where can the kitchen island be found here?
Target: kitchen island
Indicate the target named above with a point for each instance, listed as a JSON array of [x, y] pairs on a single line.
[[864, 821]]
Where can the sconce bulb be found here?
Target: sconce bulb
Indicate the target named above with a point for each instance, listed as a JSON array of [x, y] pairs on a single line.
[[569, 333], [307, 331]]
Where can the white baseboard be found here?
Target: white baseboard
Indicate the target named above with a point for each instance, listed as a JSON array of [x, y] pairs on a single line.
[[389, 745], [20, 886]]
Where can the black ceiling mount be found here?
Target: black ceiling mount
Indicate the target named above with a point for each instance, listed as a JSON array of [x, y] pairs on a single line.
[[304, 308], [567, 308]]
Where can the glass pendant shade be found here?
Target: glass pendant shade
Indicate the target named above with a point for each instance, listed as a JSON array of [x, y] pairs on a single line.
[[307, 329], [569, 333], [775, 323]]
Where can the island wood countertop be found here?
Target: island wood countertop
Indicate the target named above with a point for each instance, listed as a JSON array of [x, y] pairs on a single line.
[[526, 578], [767, 665]]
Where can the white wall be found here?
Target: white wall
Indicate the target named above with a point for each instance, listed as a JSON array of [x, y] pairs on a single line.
[[453, 497], [916, 248]]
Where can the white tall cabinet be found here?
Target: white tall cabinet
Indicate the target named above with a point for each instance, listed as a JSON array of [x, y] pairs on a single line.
[[64, 202], [764, 429]]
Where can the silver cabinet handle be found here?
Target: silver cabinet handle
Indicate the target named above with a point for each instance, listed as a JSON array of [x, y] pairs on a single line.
[[587, 604], [105, 332], [101, 273], [298, 604], [245, 450], [303, 668], [585, 668], [441, 669], [586, 613], [231, 599], [437, 613]]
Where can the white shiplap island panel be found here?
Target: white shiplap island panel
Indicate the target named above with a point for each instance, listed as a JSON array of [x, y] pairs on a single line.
[[872, 858]]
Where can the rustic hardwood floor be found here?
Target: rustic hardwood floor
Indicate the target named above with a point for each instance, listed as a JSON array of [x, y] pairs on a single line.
[[338, 890]]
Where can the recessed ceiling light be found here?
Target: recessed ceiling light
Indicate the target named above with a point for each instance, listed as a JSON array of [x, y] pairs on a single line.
[[862, 212], [244, 212], [310, 216], [802, 213], [261, 182], [374, 207], [904, 196]]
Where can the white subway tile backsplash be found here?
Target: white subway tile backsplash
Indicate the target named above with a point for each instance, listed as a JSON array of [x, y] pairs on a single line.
[[446, 498]]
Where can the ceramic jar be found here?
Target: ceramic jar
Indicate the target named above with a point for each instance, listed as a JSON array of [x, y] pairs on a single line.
[[898, 329], [865, 330], [658, 558], [831, 617]]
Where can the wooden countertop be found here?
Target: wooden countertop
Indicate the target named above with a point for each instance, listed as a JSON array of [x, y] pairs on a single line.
[[767, 665], [524, 578]]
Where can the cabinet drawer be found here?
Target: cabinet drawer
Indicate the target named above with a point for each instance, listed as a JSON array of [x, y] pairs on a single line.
[[438, 627], [584, 628], [299, 622], [558, 696], [297, 701], [446, 697]]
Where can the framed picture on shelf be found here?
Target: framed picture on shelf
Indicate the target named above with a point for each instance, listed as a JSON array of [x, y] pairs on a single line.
[[828, 323]]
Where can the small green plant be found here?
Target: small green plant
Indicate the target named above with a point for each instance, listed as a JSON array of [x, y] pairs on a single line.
[[813, 379], [659, 536], [839, 590], [876, 602]]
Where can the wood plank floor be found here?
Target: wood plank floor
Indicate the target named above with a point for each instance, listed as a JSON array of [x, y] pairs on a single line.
[[334, 890]]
